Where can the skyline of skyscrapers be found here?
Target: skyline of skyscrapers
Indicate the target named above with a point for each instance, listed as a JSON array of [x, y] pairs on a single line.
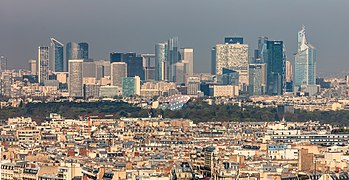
[[266, 72]]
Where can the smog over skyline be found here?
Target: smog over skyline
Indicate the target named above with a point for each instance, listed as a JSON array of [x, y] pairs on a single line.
[[136, 26]]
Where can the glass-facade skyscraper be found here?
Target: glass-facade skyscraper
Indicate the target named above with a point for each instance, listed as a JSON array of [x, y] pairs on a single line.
[[172, 57], [76, 51], [305, 62], [83, 50], [57, 61], [275, 58], [160, 61], [71, 51]]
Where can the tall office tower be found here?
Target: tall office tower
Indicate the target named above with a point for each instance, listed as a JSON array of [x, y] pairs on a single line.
[[133, 61], [257, 79], [134, 65], [72, 51], [149, 66], [6, 83], [234, 57], [260, 52], [161, 61], [3, 63], [43, 63], [179, 73], [118, 71], [83, 50], [131, 86], [172, 57], [33, 66], [75, 72], [305, 62], [276, 62], [289, 73], [187, 56], [56, 59], [213, 61]]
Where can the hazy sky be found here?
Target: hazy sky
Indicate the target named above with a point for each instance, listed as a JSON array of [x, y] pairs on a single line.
[[136, 25]]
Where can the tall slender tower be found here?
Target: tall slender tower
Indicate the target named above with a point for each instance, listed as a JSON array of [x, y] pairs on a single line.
[[57, 59], [75, 85], [172, 57], [161, 61], [305, 61], [276, 67], [43, 63]]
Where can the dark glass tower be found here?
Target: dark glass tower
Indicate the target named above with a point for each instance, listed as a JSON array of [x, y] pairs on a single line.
[[276, 62], [83, 50]]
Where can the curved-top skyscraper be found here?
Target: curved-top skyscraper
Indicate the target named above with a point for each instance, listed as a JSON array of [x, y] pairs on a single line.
[[305, 62], [57, 62]]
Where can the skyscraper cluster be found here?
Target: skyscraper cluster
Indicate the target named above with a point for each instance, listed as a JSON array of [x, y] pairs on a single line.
[[268, 72], [173, 63], [69, 67]]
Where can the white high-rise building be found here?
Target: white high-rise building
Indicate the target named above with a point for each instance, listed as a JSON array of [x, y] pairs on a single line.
[[188, 58], [161, 61], [233, 57], [75, 84], [118, 71], [305, 62], [43, 63]]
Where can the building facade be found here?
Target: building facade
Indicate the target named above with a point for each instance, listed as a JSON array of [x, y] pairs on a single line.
[[234, 57], [131, 86], [118, 71], [43, 63], [75, 85]]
